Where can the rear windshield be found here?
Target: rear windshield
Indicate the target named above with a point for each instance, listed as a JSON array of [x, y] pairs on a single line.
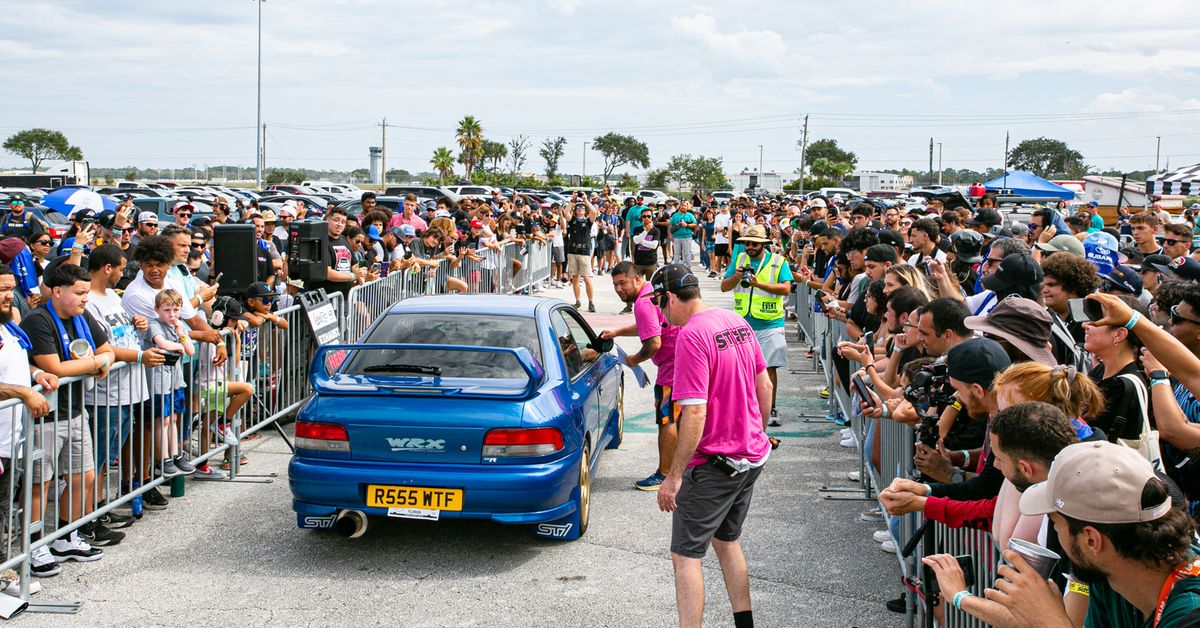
[[452, 329]]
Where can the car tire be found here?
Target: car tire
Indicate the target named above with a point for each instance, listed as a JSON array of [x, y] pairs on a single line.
[[619, 430], [583, 502]]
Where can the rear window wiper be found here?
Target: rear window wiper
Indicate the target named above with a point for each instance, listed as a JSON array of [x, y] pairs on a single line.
[[396, 367]]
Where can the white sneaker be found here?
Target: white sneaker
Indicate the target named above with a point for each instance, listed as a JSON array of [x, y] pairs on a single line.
[[42, 563], [852, 476], [848, 442], [888, 546], [873, 514], [845, 432], [10, 583], [881, 536], [224, 434], [74, 548]]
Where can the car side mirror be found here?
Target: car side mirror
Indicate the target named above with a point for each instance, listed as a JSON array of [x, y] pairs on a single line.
[[603, 345]]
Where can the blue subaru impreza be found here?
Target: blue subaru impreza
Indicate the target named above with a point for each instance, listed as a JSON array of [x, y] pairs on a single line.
[[459, 407]]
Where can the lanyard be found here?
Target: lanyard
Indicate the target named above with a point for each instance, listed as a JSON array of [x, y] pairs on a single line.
[[81, 331], [19, 334], [1191, 570]]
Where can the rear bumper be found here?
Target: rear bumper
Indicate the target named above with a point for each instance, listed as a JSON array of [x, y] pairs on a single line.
[[510, 494]]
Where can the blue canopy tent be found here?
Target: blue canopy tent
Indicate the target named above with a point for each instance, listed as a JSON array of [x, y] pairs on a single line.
[[1024, 183]]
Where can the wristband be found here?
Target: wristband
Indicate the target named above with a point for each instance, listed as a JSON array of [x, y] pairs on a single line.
[[1075, 586], [1133, 320], [36, 372], [928, 490], [966, 457], [958, 598], [1159, 381], [138, 359]]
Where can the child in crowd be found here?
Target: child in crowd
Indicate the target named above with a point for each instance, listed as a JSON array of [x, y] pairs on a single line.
[[168, 333]]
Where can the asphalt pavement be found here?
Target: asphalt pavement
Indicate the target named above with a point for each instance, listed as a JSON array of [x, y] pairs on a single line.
[[230, 553]]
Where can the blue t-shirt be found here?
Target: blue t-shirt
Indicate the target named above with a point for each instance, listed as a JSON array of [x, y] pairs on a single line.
[[679, 230], [785, 274], [632, 216], [1097, 222]]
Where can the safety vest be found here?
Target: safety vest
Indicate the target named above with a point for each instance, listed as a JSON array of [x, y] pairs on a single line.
[[761, 305]]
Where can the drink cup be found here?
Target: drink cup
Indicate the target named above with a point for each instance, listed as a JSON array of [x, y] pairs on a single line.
[[1041, 559]]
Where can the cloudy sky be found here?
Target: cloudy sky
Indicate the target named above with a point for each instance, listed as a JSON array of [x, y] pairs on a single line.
[[172, 84]]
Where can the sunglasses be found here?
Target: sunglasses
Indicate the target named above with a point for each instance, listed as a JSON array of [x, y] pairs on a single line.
[[44, 242], [1173, 242], [266, 300], [184, 215], [194, 271], [197, 245], [1176, 318]]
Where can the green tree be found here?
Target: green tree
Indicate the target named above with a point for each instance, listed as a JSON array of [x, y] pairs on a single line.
[[829, 149], [825, 168], [443, 162], [133, 175], [518, 148], [493, 153], [398, 174], [1047, 158], [38, 145], [706, 173], [470, 141], [360, 174], [619, 150], [284, 175], [658, 179], [552, 151], [627, 182]]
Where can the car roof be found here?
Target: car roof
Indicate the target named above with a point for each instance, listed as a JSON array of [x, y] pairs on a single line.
[[500, 304]]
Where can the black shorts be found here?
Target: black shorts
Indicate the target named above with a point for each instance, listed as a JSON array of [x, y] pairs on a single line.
[[710, 505], [722, 250]]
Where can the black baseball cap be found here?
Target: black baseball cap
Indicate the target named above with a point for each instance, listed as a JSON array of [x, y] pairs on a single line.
[[891, 237], [672, 277], [881, 253], [1156, 263], [977, 361], [1183, 267], [986, 216], [1016, 270], [259, 290]]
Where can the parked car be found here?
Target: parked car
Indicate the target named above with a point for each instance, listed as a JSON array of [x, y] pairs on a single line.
[[481, 192], [459, 407], [423, 192], [53, 219], [354, 207]]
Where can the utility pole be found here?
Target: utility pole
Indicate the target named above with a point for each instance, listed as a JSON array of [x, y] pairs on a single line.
[[383, 161], [939, 163], [803, 151], [931, 161], [262, 141], [1157, 151], [1004, 167], [760, 160], [584, 175]]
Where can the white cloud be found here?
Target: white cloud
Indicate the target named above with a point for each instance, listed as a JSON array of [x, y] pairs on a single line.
[[745, 48]]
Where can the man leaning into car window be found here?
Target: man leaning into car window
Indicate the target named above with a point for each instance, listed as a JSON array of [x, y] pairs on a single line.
[[721, 385]]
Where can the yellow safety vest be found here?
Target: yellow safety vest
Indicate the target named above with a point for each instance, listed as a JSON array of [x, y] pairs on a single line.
[[759, 304]]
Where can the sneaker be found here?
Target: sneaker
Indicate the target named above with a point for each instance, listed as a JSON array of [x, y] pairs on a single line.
[[75, 548], [809, 354], [774, 419], [844, 432], [224, 435], [841, 420], [42, 563], [879, 536], [848, 442], [712, 275], [871, 515], [888, 546], [898, 605], [578, 305], [852, 476], [628, 309], [10, 583], [591, 306], [825, 393], [95, 534], [651, 483], [154, 500], [206, 472], [115, 520], [169, 470], [184, 466]]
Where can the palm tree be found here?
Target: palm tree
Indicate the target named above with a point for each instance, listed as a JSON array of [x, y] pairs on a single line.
[[470, 140], [443, 162]]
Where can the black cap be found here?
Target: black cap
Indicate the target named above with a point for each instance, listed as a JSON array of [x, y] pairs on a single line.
[[1124, 279], [968, 246], [672, 277], [986, 216], [891, 237], [881, 253], [1183, 268], [976, 361], [1150, 262], [1016, 270], [818, 227], [106, 218], [258, 290]]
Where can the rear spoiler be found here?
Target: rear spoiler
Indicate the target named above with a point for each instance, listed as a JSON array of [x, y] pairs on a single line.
[[334, 381]]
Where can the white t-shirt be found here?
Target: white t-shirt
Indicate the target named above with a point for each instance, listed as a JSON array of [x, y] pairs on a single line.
[[139, 298], [127, 385], [721, 221], [982, 303], [14, 369], [938, 255], [556, 237]]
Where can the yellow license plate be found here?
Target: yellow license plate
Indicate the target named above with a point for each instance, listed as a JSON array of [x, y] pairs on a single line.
[[380, 496]]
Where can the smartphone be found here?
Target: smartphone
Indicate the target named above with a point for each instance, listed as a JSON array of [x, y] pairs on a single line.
[[863, 391], [217, 279], [821, 301], [869, 338], [966, 563], [1085, 310]]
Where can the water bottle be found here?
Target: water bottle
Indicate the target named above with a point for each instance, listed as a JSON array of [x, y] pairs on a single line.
[[136, 503]]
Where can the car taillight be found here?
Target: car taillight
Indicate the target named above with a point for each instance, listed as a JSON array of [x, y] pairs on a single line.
[[57, 233], [322, 436], [537, 441]]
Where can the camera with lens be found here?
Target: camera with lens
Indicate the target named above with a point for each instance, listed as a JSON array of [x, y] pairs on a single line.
[[930, 392], [747, 275]]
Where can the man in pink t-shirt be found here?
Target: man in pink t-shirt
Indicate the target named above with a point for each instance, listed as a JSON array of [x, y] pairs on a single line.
[[724, 394], [658, 346], [408, 215]]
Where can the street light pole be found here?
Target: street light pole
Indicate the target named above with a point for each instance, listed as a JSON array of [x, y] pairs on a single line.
[[939, 163], [584, 175], [258, 120], [760, 162]]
